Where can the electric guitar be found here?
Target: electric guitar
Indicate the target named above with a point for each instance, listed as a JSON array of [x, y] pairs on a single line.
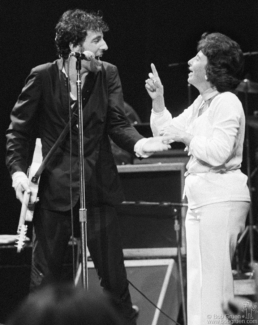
[[29, 199], [36, 169]]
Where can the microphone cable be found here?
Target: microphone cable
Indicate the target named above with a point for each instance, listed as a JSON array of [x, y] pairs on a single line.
[[152, 303]]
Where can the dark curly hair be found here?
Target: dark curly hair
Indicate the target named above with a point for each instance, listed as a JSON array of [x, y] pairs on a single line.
[[65, 304], [225, 61], [72, 28]]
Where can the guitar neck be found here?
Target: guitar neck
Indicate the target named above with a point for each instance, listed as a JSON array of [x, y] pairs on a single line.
[[24, 208]]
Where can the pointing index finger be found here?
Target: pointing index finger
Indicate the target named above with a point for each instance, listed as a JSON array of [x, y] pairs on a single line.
[[154, 71]]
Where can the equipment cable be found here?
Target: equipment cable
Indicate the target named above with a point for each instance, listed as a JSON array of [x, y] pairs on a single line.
[[152, 303]]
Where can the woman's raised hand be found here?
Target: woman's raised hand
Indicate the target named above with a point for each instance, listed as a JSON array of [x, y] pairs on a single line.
[[153, 84]]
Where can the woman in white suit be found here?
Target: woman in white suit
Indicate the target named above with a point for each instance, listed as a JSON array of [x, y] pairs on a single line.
[[212, 129]]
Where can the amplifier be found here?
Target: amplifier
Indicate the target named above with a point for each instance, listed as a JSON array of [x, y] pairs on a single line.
[[153, 205]]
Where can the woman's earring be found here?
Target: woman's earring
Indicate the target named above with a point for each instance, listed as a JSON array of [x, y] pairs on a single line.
[[206, 78]]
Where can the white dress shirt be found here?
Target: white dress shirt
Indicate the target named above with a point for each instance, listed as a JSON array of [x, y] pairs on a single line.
[[213, 171]]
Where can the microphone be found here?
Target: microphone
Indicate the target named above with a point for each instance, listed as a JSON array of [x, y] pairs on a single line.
[[86, 55], [250, 53], [171, 65]]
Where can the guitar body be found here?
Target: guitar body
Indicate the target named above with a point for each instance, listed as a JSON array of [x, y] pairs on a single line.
[[29, 199]]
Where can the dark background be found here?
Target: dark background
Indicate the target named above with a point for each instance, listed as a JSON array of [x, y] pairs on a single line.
[[141, 32]]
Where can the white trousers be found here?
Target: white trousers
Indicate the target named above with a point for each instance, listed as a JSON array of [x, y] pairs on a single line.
[[211, 237]]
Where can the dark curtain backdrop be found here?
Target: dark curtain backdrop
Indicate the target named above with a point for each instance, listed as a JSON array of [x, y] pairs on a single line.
[[141, 32]]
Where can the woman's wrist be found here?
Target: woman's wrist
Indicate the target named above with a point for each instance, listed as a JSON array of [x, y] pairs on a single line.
[[158, 104]]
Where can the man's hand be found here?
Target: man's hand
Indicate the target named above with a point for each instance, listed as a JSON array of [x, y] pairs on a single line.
[[156, 144], [21, 184]]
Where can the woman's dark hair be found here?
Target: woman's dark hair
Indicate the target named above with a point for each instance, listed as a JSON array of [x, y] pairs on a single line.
[[64, 305], [72, 28], [225, 61]]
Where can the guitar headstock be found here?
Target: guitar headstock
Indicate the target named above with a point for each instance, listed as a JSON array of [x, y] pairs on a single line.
[[22, 231]]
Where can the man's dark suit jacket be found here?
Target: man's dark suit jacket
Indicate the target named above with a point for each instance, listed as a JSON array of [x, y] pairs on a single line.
[[43, 106]]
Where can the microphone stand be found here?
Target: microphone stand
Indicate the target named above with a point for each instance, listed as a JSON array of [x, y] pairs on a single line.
[[177, 230], [189, 95], [251, 227], [82, 210]]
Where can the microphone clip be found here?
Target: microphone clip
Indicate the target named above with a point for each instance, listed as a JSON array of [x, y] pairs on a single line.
[[81, 56]]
